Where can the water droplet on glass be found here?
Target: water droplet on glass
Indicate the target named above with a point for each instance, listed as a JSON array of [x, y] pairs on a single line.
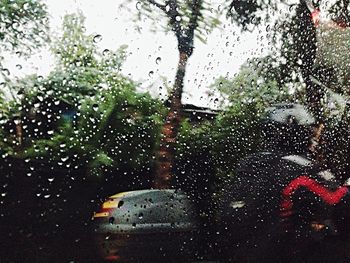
[[6, 71], [19, 66], [97, 38], [95, 107], [158, 60], [151, 73], [111, 220], [105, 52], [26, 6], [138, 5]]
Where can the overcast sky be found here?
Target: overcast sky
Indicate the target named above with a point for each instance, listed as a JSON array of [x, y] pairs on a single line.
[[221, 55]]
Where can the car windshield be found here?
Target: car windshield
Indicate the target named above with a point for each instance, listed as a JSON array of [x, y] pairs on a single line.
[[174, 131]]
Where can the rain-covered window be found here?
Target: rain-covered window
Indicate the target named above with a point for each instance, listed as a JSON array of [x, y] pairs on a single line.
[[174, 131]]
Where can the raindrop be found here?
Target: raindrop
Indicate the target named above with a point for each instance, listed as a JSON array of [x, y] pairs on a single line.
[[105, 52], [97, 38], [95, 107], [111, 220], [150, 74], [6, 71], [19, 66], [51, 179], [138, 5], [17, 121], [26, 6], [140, 215], [158, 60]]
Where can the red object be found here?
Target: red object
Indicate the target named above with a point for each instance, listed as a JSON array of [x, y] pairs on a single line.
[[315, 17], [112, 258], [331, 198]]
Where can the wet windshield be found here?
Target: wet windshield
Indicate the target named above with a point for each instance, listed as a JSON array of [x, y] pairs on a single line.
[[173, 130]]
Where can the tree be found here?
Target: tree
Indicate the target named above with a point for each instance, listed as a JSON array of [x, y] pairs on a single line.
[[259, 82], [85, 113], [187, 20], [298, 52], [23, 26], [74, 48], [81, 68]]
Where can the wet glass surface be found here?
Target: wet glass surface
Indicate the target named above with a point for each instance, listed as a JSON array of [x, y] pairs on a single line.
[[174, 131]]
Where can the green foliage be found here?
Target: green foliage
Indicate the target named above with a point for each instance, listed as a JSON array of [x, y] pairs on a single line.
[[85, 114], [258, 82], [233, 134], [23, 25], [209, 152], [120, 131], [81, 70], [74, 48], [186, 19], [8, 119]]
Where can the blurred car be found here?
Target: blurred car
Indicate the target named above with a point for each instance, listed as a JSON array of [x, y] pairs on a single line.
[[146, 226]]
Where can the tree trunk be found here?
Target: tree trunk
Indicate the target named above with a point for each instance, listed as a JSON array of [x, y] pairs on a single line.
[[165, 156], [306, 47]]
